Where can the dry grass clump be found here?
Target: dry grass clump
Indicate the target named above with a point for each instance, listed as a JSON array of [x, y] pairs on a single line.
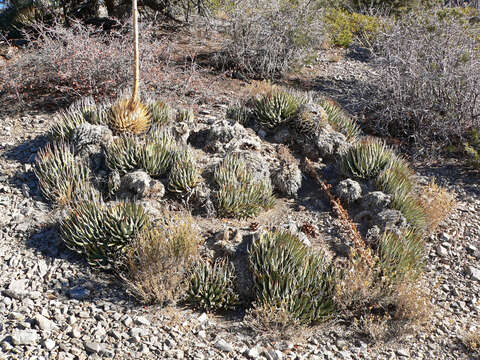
[[157, 262], [471, 339], [437, 203], [413, 302]]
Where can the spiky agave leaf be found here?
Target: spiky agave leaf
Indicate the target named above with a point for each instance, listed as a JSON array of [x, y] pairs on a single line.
[[310, 119], [160, 112], [185, 115], [290, 276], [101, 232], [244, 200], [239, 194], [62, 179], [185, 173], [341, 122], [124, 154], [275, 109], [411, 207], [211, 287], [401, 256], [156, 155], [366, 159], [398, 178], [129, 116], [239, 113]]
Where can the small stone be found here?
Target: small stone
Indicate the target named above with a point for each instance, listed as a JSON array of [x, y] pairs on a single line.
[[442, 251], [403, 353], [128, 321], [92, 347], [253, 353], [79, 293], [473, 272], [349, 190], [49, 344], [141, 320], [24, 337], [223, 346], [138, 332], [44, 324], [202, 318]]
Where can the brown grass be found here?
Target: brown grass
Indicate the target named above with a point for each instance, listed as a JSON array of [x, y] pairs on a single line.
[[471, 339], [158, 261], [412, 300], [437, 203]]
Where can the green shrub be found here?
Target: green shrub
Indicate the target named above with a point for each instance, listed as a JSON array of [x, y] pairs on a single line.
[[239, 194], [472, 148], [63, 180], [388, 5], [341, 122], [101, 232], [366, 159], [411, 207], [185, 173], [211, 287], [344, 27], [159, 259], [401, 256], [275, 109], [287, 275]]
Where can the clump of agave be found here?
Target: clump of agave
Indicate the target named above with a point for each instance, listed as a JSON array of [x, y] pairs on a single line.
[[185, 115], [154, 154], [239, 194], [401, 255], [366, 159], [62, 179], [289, 276], [239, 113], [275, 109], [185, 174], [396, 179], [160, 112], [211, 287], [101, 232], [341, 122]]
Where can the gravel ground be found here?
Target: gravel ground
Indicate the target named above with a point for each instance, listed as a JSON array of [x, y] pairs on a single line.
[[52, 306]]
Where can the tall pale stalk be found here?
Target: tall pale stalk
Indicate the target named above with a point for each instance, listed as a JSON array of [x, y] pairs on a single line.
[[136, 69]]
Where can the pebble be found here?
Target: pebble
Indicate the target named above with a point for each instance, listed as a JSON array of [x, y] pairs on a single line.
[[224, 346], [24, 337]]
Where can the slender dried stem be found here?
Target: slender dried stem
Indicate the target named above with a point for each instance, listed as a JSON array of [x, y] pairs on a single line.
[[136, 69]]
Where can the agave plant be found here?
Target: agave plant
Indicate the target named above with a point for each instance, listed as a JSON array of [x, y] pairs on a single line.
[[341, 122], [131, 116], [288, 275], [411, 207], [101, 232], [239, 113], [62, 179], [398, 178], [185, 115], [239, 194], [211, 287], [124, 154], [366, 159], [401, 256], [185, 173], [160, 112], [275, 109]]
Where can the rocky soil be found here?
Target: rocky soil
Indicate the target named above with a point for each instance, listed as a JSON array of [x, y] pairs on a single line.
[[52, 306]]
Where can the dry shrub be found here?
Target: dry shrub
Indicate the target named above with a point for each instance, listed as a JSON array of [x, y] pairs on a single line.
[[373, 327], [265, 38], [428, 85], [412, 302], [437, 203], [158, 260], [64, 64], [275, 322], [471, 339]]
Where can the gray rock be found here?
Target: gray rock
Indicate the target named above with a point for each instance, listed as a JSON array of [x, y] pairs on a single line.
[[79, 293], [89, 134], [442, 251], [24, 337], [390, 220], [287, 179], [139, 184], [348, 191], [92, 347], [141, 320], [49, 344], [253, 353], [271, 354], [223, 346], [473, 272], [403, 353], [44, 324], [282, 135], [138, 332], [376, 201]]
